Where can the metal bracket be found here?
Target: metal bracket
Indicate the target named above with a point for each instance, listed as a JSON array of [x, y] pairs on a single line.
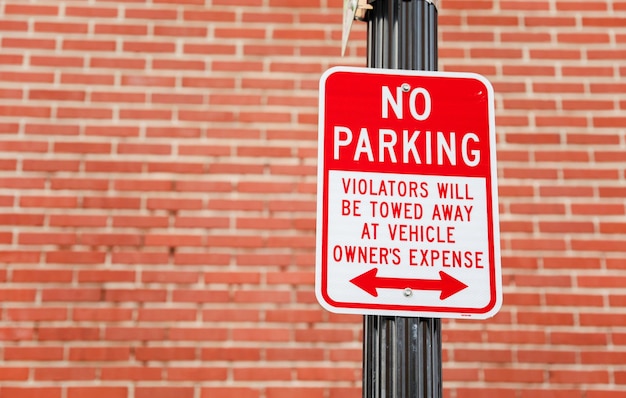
[[352, 9], [362, 7]]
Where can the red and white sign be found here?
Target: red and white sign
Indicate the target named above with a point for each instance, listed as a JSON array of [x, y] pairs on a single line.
[[407, 194]]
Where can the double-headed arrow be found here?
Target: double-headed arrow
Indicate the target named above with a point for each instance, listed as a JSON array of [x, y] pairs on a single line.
[[370, 283]]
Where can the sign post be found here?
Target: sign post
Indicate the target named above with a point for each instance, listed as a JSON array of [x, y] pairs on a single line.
[[402, 355], [407, 227]]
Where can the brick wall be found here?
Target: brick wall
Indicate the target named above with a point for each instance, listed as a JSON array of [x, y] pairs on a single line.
[[157, 199]]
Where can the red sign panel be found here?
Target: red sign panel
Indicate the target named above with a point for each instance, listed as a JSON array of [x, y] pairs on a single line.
[[407, 194]]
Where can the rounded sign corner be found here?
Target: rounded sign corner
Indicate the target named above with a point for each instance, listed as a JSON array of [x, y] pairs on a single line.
[[324, 303], [478, 76], [487, 84], [491, 310], [331, 71]]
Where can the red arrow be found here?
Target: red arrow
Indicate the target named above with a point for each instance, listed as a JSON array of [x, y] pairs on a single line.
[[447, 284]]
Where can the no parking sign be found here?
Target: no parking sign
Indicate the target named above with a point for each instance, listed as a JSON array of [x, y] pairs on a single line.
[[407, 194]]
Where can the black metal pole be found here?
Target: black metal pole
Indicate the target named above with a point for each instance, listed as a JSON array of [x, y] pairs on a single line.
[[402, 356]]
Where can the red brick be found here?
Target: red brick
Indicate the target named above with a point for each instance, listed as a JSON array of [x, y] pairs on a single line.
[[601, 356], [69, 333], [150, 13], [37, 314], [89, 45], [577, 300], [258, 334], [16, 334], [8, 25], [27, 76], [519, 337], [83, 148], [514, 375], [577, 262], [99, 353], [86, 79], [105, 275], [75, 257], [321, 335], [173, 240], [22, 219], [49, 353], [84, 113], [545, 318], [97, 392], [328, 374], [603, 393], [91, 11], [270, 296], [201, 296], [166, 314], [303, 392], [178, 277], [551, 393], [216, 315], [149, 47], [60, 220], [71, 295], [578, 338], [198, 334], [102, 314], [566, 227], [118, 63], [111, 203], [308, 354], [232, 277], [483, 356], [13, 374], [599, 281], [136, 295], [164, 392], [303, 3], [60, 27], [598, 245], [231, 354], [181, 132], [131, 373], [539, 208], [79, 184], [173, 167], [119, 28], [38, 44], [31, 392], [36, 275], [135, 333], [597, 319], [197, 374], [273, 49], [49, 202], [180, 31], [264, 373], [227, 392], [175, 204], [165, 98], [134, 257], [165, 353]]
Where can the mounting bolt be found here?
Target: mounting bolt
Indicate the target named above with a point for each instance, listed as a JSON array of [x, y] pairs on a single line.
[[408, 292], [406, 87]]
